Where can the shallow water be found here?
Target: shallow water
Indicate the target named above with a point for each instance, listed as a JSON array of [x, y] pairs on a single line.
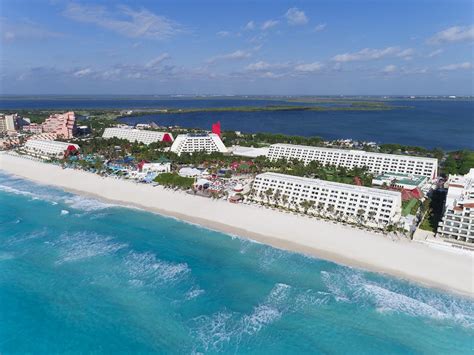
[[79, 275]]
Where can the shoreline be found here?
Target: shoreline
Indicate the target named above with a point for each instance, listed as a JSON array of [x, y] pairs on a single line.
[[349, 246]]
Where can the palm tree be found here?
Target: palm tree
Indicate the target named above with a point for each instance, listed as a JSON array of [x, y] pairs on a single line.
[[330, 209], [269, 193], [320, 208], [277, 196], [360, 214], [284, 200]]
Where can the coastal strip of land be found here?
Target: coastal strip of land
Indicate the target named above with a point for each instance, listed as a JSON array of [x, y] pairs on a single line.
[[270, 108], [342, 244]]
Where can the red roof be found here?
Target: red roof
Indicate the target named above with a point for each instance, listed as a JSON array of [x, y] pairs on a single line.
[[167, 138]]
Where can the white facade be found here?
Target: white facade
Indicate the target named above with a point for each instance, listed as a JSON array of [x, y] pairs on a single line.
[[156, 168], [201, 142], [373, 206], [139, 135], [377, 163], [190, 172], [7, 123], [47, 149], [249, 152], [457, 224]]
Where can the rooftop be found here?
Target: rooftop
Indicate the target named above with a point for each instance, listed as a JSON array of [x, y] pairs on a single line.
[[337, 185], [352, 151]]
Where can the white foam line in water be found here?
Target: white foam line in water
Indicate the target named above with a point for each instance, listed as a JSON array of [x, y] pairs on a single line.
[[83, 245], [351, 286], [145, 269], [216, 331]]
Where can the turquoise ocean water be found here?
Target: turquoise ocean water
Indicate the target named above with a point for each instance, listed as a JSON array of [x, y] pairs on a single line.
[[79, 275]]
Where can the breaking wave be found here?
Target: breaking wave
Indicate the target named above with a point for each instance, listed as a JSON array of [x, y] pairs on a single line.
[[223, 328], [387, 297], [84, 245], [193, 293], [145, 269], [54, 196], [86, 204]]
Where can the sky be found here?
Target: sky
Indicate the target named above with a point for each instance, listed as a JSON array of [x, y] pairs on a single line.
[[319, 47]]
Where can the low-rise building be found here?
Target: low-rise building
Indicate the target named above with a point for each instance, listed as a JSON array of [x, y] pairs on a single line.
[[33, 128], [48, 149], [43, 137], [9, 142], [370, 206], [190, 172], [139, 135], [249, 152], [155, 167], [401, 181], [198, 142], [376, 163], [457, 224]]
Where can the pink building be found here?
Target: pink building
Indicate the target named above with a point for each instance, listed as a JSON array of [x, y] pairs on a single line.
[[62, 124], [33, 128]]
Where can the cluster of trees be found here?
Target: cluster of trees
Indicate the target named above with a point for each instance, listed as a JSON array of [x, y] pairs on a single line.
[[392, 148], [115, 148], [264, 139], [315, 169], [459, 162], [174, 180], [434, 207]]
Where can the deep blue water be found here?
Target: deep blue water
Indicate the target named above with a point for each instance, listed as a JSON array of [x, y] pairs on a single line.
[[431, 124], [445, 124], [78, 275]]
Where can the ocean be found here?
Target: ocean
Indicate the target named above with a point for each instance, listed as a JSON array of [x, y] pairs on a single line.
[[427, 123], [78, 275]]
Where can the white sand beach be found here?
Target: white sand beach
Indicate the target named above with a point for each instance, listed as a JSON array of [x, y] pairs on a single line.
[[350, 246]]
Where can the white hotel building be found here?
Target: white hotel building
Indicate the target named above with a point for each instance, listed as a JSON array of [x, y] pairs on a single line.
[[377, 163], [139, 135], [198, 142], [47, 148], [457, 225], [377, 207]]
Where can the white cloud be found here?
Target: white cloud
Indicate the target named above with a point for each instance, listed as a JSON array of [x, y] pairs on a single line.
[[237, 55], [261, 65], [372, 54], [453, 34], [457, 66], [269, 24], [250, 26], [157, 61], [125, 21], [309, 67], [223, 34], [25, 30], [389, 69], [406, 53], [319, 27], [83, 72], [435, 53], [296, 17]]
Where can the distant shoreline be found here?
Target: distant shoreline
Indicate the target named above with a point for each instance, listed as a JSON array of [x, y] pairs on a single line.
[[442, 269]]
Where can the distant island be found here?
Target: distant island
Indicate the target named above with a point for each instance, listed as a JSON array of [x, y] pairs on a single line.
[[353, 106]]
